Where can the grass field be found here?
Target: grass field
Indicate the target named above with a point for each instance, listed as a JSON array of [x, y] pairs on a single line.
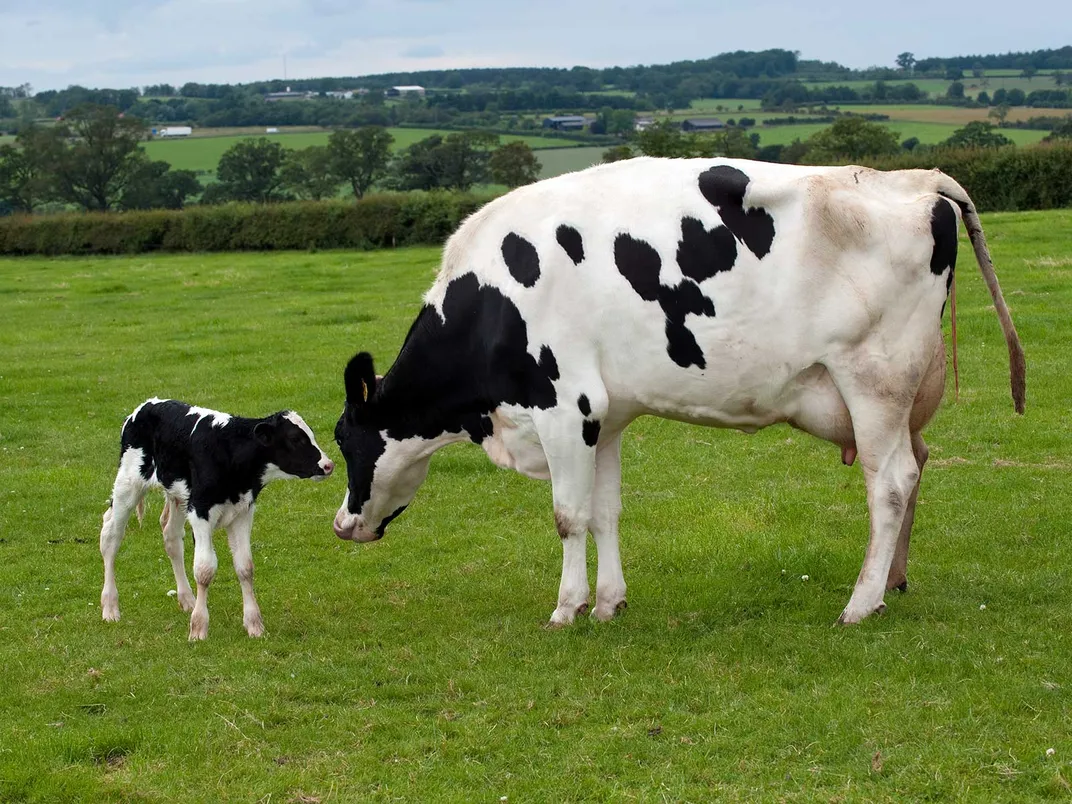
[[563, 160], [417, 668], [203, 153]]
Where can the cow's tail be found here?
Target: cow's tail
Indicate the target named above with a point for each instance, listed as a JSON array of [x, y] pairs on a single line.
[[1017, 365]]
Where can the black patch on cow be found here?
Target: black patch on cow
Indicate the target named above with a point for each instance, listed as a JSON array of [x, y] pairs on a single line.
[[521, 258], [548, 362], [639, 263], [702, 253], [389, 519], [584, 406], [724, 187], [218, 464], [481, 429], [944, 232], [570, 240], [590, 431]]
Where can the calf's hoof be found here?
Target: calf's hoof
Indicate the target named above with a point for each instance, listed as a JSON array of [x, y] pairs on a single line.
[[186, 601], [607, 612], [198, 627], [900, 584], [564, 615], [110, 609], [254, 625]]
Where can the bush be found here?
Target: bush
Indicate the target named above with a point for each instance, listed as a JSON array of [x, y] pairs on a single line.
[[376, 221]]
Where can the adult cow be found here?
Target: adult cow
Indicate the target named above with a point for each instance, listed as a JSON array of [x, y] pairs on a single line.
[[719, 292]]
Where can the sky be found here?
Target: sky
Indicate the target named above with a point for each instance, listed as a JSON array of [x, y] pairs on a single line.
[[52, 44]]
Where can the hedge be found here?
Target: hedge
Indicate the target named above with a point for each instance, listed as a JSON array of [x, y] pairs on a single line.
[[376, 221], [997, 179], [1000, 179]]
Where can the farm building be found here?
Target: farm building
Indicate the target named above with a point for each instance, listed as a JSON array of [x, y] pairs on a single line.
[[273, 97], [565, 122], [398, 92], [702, 124], [643, 124]]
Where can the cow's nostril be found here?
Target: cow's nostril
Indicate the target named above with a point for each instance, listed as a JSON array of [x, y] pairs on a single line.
[[329, 467]]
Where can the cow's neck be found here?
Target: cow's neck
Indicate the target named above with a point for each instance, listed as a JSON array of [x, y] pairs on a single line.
[[429, 392]]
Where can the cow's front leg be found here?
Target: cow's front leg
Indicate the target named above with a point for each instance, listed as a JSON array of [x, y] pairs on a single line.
[[606, 506], [238, 533], [204, 571], [572, 465]]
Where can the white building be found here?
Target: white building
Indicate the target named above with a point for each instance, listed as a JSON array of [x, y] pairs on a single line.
[[409, 89]]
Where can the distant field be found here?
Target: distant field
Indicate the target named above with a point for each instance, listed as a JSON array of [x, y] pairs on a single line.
[[203, 153], [565, 160], [972, 85], [928, 133]]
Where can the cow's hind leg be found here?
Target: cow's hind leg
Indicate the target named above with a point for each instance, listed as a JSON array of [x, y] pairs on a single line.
[[880, 401], [572, 463], [127, 495], [898, 577], [172, 525], [606, 506], [238, 533]]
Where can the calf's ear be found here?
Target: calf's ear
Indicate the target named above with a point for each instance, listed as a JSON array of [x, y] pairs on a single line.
[[264, 432], [360, 378]]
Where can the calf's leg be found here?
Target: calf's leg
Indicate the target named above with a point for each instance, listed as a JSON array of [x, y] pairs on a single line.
[[172, 524], [204, 571], [238, 533], [126, 495]]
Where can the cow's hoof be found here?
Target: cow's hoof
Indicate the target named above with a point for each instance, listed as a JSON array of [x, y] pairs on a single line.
[[852, 617], [605, 613], [564, 615], [186, 601], [254, 626], [110, 614], [901, 586]]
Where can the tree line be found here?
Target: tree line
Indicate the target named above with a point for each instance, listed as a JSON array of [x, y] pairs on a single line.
[[93, 160]]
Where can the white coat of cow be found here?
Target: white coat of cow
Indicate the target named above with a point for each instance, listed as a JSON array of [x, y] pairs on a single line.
[[720, 292]]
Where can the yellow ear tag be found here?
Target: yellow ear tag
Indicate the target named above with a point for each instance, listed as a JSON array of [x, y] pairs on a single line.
[[364, 391]]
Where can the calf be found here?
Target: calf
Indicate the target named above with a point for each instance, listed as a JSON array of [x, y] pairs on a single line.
[[211, 466]]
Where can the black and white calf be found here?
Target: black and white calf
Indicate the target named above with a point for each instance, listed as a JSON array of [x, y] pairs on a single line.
[[720, 292], [211, 466]]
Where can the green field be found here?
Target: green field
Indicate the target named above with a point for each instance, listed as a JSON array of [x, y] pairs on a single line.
[[203, 153], [564, 160], [417, 668], [929, 133]]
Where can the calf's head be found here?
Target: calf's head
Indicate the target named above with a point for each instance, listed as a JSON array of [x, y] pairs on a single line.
[[384, 468], [290, 449]]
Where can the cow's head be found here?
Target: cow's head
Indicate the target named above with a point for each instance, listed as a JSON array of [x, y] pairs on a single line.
[[290, 449], [383, 471]]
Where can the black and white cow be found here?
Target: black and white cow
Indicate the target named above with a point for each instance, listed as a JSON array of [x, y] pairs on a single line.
[[720, 292], [211, 467]]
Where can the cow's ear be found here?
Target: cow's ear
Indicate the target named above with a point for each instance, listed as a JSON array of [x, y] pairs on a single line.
[[360, 378]]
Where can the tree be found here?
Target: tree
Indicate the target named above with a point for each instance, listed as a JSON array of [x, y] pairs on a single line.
[[26, 178], [617, 153], [984, 98], [1029, 72], [514, 164], [250, 171], [102, 155], [906, 61], [1062, 133], [309, 173], [360, 157], [953, 73], [978, 70], [976, 134], [154, 185], [956, 90], [1059, 78], [464, 158], [999, 112], [852, 138], [1015, 97]]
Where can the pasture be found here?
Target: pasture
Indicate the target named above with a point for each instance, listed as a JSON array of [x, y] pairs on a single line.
[[417, 668], [203, 153]]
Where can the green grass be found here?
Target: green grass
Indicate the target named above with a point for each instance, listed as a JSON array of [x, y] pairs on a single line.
[[564, 160], [929, 133], [203, 153], [417, 668]]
